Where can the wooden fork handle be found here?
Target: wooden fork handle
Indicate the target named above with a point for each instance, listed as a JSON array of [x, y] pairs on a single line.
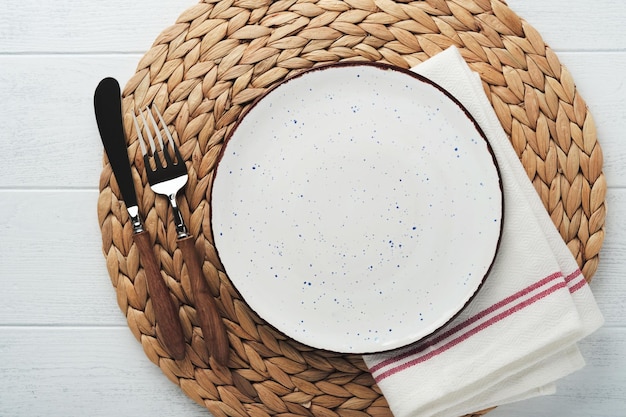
[[211, 323], [165, 310]]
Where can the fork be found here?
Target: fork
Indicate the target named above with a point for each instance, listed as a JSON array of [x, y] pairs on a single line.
[[167, 175]]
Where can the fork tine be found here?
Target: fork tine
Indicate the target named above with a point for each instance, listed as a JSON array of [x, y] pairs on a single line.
[[142, 142], [157, 131], [146, 126], [167, 132], [153, 154], [170, 139]]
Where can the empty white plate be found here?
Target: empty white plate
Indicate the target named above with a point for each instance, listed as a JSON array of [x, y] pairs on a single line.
[[357, 207]]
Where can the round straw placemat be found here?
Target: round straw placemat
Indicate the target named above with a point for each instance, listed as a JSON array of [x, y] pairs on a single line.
[[220, 56]]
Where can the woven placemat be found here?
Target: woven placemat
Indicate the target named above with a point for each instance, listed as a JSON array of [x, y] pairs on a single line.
[[221, 55]]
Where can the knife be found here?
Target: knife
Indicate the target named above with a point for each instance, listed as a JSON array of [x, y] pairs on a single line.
[[108, 109]]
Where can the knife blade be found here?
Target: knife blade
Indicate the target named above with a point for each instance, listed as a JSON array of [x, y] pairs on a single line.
[[108, 110]]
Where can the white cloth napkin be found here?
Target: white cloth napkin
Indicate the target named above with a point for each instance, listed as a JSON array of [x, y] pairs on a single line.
[[518, 335]]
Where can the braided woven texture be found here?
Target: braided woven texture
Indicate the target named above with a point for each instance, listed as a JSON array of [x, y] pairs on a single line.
[[217, 58]]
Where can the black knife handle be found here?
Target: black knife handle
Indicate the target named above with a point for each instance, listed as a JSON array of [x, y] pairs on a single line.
[[107, 103]]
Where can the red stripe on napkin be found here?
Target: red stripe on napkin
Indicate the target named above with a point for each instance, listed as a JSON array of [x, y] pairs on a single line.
[[572, 277], [461, 336]]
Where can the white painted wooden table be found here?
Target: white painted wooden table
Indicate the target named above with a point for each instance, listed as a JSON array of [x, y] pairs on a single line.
[[65, 349]]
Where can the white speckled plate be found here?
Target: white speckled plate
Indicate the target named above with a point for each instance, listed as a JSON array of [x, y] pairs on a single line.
[[356, 207]]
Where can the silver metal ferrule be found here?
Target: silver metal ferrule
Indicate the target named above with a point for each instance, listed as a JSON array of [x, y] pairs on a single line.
[[181, 229], [135, 219]]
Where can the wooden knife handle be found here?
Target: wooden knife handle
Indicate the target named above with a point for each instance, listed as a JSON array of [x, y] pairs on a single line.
[[211, 323], [165, 310]]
